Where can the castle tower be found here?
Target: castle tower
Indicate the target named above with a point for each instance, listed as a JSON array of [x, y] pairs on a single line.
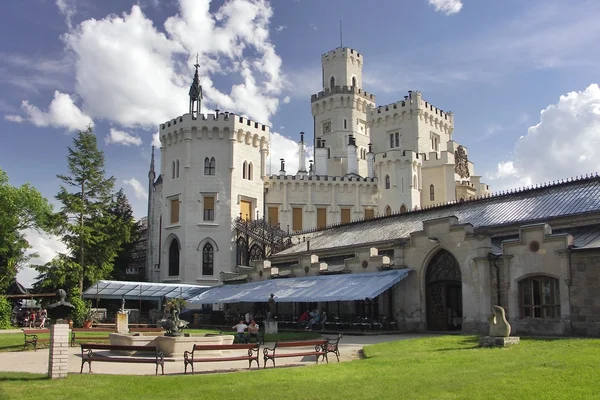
[[341, 109]]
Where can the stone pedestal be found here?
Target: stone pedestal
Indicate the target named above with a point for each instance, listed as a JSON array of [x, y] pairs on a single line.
[[270, 327], [498, 341], [58, 361], [122, 322]]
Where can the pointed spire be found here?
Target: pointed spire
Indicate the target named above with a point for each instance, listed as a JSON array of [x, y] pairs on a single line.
[[151, 173], [195, 92]]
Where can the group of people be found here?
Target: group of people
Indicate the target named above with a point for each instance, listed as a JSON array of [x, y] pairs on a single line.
[[313, 319], [32, 318], [252, 328]]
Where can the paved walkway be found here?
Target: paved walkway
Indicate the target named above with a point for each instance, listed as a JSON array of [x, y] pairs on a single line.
[[37, 361]]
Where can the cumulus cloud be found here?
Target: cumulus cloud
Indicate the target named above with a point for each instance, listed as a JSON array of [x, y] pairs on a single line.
[[62, 113], [139, 190], [564, 143], [156, 140], [46, 247], [447, 7], [14, 118], [123, 138]]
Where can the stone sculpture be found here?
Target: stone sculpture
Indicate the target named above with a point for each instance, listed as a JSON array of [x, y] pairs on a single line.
[[61, 309], [272, 307], [171, 322], [499, 326]]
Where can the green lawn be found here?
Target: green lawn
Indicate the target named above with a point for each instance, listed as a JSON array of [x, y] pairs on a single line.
[[445, 367], [14, 341]]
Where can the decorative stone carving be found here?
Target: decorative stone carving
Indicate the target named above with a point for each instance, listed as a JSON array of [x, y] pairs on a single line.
[[499, 326], [461, 162]]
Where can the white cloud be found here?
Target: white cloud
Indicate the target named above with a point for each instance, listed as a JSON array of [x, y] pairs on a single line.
[[447, 7], [286, 100], [139, 191], [156, 140], [67, 9], [280, 28], [563, 144], [123, 138], [62, 113], [14, 118], [46, 246], [146, 73]]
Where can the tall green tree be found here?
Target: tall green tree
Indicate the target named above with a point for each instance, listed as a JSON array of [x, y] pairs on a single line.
[[132, 232], [21, 208], [90, 230]]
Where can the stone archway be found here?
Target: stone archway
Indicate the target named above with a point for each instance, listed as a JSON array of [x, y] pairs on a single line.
[[443, 293]]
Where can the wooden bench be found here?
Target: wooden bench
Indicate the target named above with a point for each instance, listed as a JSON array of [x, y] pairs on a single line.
[[31, 337], [190, 357], [107, 332], [332, 346], [319, 350], [88, 355]]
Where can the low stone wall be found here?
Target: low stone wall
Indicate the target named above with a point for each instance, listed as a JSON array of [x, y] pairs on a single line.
[[171, 346]]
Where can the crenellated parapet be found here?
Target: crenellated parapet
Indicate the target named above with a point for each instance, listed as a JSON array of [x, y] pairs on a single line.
[[351, 90], [435, 159], [398, 155], [224, 126], [317, 178], [341, 52]]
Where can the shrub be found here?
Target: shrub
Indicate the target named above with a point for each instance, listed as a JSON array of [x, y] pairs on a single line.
[[5, 313], [80, 310]]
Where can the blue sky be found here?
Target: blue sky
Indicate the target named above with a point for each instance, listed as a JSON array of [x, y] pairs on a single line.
[[126, 66]]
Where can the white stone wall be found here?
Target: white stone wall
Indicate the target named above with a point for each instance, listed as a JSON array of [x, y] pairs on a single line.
[[343, 64], [58, 358]]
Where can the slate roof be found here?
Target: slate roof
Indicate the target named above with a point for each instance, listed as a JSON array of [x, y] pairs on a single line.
[[538, 204]]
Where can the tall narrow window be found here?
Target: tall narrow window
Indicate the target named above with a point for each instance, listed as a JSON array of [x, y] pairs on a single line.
[[397, 136], [332, 82], [274, 216], [387, 182], [208, 259], [250, 171], [345, 123], [173, 169], [321, 218], [297, 219], [209, 166], [244, 166], [391, 140], [177, 169], [354, 81], [431, 193], [345, 216], [174, 211], [174, 258], [209, 208]]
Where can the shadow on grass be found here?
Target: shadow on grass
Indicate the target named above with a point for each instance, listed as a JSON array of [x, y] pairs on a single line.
[[21, 377]]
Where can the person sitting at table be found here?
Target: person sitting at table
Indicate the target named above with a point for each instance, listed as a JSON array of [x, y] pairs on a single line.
[[253, 331], [304, 319], [240, 328]]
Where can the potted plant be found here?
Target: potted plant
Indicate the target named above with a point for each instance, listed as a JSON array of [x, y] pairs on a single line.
[[89, 316]]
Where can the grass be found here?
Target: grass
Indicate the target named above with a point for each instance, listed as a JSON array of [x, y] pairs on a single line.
[[445, 367], [14, 341]]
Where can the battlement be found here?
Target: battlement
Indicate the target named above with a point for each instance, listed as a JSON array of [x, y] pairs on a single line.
[[340, 52], [342, 90], [412, 101], [219, 126], [435, 159], [466, 184], [392, 155], [318, 178]]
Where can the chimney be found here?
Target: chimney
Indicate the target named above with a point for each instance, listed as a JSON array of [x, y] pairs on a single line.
[[352, 156], [217, 113], [370, 162], [282, 169], [321, 158], [301, 156], [310, 168]]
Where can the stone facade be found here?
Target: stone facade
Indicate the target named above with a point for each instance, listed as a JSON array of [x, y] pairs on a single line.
[[58, 361]]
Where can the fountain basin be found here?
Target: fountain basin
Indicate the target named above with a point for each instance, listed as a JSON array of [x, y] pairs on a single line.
[[169, 345]]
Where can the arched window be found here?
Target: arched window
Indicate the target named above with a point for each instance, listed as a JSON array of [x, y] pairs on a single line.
[[431, 193], [174, 258], [402, 209], [388, 210], [207, 259], [209, 166], [387, 182], [345, 123], [256, 253], [177, 168], [332, 82], [241, 249], [244, 166], [249, 171], [173, 169], [539, 297], [354, 81]]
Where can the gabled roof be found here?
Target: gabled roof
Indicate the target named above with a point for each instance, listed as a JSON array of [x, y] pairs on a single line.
[[539, 204]]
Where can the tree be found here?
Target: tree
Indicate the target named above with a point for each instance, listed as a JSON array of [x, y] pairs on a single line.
[[132, 231], [89, 229], [21, 208]]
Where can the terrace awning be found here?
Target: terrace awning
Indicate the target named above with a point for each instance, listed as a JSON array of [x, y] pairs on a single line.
[[312, 288], [141, 290]]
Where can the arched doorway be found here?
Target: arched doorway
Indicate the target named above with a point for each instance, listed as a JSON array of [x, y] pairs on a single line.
[[443, 291]]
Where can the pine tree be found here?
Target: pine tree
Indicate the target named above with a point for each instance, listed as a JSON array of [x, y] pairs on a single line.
[[131, 232], [87, 223]]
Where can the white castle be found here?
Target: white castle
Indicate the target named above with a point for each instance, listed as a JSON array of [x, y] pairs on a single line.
[[369, 160]]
